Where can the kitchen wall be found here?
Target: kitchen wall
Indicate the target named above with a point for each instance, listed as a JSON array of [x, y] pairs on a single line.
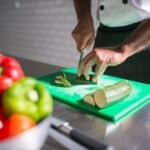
[[39, 30]]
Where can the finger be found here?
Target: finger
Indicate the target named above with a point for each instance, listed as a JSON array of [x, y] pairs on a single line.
[[85, 42], [83, 63], [81, 44], [100, 69], [90, 43], [89, 57], [88, 66]]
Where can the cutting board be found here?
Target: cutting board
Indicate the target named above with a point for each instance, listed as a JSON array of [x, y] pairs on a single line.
[[73, 96]]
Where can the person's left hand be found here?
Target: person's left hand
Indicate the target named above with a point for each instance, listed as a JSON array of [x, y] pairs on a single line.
[[102, 58]]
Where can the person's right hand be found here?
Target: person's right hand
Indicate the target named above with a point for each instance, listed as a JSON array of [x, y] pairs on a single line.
[[84, 33]]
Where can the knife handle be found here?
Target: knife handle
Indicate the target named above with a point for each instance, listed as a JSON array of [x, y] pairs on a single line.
[[81, 56], [87, 141]]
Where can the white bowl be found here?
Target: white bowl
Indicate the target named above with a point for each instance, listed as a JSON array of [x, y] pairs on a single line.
[[32, 139]]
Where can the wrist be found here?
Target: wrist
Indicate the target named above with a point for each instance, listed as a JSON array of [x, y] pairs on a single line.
[[83, 9], [85, 18]]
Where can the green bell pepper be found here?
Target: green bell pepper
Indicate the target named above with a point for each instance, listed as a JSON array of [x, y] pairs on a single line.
[[29, 97]]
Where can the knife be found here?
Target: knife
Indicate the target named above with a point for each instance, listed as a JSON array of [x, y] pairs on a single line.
[[78, 135], [62, 141], [80, 58]]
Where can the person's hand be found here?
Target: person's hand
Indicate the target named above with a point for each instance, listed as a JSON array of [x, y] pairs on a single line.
[[102, 58], [84, 33], [109, 56]]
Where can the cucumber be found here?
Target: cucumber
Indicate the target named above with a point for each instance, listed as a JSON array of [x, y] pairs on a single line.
[[83, 80], [89, 99], [94, 78], [109, 94], [62, 80]]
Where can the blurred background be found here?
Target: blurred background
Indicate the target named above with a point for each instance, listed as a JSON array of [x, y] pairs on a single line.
[[39, 30]]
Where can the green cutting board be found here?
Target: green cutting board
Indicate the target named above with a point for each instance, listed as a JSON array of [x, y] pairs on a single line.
[[73, 95]]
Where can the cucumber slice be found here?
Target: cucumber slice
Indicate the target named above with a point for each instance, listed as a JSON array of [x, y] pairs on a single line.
[[89, 99], [110, 93]]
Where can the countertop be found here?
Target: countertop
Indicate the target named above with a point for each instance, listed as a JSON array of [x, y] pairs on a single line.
[[131, 134]]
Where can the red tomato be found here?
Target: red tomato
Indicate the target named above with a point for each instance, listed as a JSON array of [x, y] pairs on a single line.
[[16, 124]]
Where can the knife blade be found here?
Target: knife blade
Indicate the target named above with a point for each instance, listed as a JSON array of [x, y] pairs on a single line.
[[80, 58], [78, 135]]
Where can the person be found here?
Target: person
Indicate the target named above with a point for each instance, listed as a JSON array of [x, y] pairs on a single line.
[[123, 44]]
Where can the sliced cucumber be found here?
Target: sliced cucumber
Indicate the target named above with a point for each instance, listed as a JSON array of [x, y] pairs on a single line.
[[109, 94], [83, 80], [89, 99]]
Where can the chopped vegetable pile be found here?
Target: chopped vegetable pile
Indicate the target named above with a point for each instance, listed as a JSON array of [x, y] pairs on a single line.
[[62, 80]]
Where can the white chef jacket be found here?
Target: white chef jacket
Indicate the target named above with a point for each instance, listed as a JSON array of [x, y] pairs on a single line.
[[142, 4], [117, 14]]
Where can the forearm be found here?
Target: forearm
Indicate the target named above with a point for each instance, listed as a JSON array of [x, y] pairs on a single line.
[[139, 40], [83, 9]]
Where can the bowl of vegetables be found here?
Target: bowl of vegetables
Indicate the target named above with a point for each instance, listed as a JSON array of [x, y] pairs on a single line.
[[25, 108], [31, 139]]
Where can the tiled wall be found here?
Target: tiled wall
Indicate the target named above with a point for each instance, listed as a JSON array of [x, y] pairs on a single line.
[[39, 30]]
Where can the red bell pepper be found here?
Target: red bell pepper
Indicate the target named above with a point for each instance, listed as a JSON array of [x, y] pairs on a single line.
[[1, 115], [2, 135], [10, 71]]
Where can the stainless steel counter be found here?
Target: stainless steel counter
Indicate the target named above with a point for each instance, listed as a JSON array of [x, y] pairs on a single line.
[[132, 134]]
